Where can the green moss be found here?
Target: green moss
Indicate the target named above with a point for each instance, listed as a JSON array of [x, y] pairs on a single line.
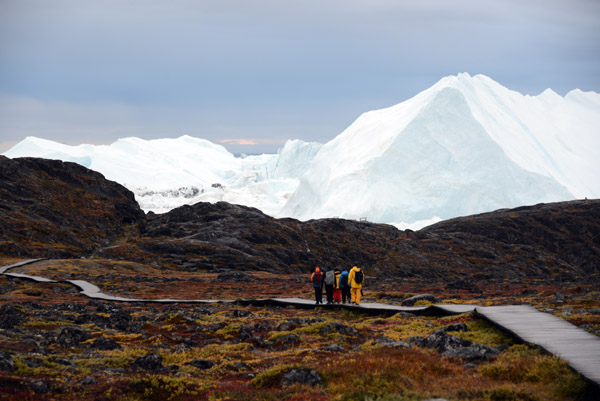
[[508, 394], [522, 363], [312, 329], [229, 332], [484, 333], [163, 388], [271, 377]]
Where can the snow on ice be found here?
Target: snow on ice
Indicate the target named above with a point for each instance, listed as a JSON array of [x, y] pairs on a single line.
[[466, 145]]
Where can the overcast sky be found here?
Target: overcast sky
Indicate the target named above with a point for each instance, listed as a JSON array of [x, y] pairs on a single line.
[[263, 71]]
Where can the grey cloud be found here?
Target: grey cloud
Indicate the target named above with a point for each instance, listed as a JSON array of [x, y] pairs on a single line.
[[304, 68]]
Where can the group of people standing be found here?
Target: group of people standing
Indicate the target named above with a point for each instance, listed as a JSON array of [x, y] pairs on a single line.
[[340, 286]]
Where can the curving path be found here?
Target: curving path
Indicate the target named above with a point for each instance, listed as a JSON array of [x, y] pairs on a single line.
[[579, 348]]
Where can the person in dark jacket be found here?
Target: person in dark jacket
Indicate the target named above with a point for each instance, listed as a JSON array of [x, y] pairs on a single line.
[[317, 280], [345, 286]]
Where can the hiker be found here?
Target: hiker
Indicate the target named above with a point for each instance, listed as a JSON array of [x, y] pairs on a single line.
[[337, 291], [356, 278], [329, 284], [317, 280], [345, 286]]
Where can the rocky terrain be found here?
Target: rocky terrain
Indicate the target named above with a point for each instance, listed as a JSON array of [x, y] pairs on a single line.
[[57, 209], [57, 344]]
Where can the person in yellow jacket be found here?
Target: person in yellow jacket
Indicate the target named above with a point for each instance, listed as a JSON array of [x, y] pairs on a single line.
[[356, 278]]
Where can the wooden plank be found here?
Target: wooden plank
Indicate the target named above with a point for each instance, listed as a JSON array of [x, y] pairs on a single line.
[[22, 263], [580, 349]]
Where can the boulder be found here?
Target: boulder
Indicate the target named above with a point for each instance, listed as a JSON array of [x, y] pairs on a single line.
[[388, 342], [201, 363], [334, 348], [10, 316], [150, 362], [457, 347], [33, 362], [88, 381], [288, 339], [414, 299], [105, 344], [235, 275], [456, 327], [39, 387], [121, 320], [302, 376], [339, 328], [71, 336], [6, 362], [241, 366]]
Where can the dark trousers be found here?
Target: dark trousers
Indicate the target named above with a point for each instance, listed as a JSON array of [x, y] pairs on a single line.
[[329, 291], [346, 294], [319, 295]]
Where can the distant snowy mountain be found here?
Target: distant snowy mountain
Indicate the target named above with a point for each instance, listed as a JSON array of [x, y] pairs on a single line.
[[466, 145]]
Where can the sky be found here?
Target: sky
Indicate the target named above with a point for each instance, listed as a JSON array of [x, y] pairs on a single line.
[[252, 74]]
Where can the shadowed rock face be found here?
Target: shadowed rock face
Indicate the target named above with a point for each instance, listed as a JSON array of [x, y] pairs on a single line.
[[559, 240], [568, 231], [51, 208], [59, 209]]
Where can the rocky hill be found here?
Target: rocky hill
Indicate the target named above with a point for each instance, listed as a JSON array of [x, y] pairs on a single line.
[[59, 209], [50, 208]]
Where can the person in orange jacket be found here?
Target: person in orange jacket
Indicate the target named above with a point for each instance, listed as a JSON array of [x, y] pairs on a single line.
[[317, 279], [356, 278]]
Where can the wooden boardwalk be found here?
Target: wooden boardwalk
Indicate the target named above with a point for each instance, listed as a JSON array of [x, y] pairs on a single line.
[[580, 349]]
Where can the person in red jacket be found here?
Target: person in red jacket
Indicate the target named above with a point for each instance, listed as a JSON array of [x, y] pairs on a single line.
[[317, 280]]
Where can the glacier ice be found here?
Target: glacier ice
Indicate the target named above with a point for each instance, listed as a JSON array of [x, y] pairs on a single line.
[[167, 173], [442, 163], [463, 146]]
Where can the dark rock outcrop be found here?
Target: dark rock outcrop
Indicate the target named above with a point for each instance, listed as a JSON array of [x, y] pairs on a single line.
[[306, 376], [452, 346], [10, 316], [288, 339], [59, 209], [88, 381], [39, 387], [6, 362], [105, 344], [339, 328], [388, 342], [150, 362], [201, 363], [462, 252], [334, 348], [421, 297], [71, 336]]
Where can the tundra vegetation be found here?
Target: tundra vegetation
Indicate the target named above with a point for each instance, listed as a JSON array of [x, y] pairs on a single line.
[[61, 345]]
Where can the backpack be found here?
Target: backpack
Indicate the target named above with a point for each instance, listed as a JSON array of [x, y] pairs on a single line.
[[344, 280], [329, 277], [317, 278], [358, 277]]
